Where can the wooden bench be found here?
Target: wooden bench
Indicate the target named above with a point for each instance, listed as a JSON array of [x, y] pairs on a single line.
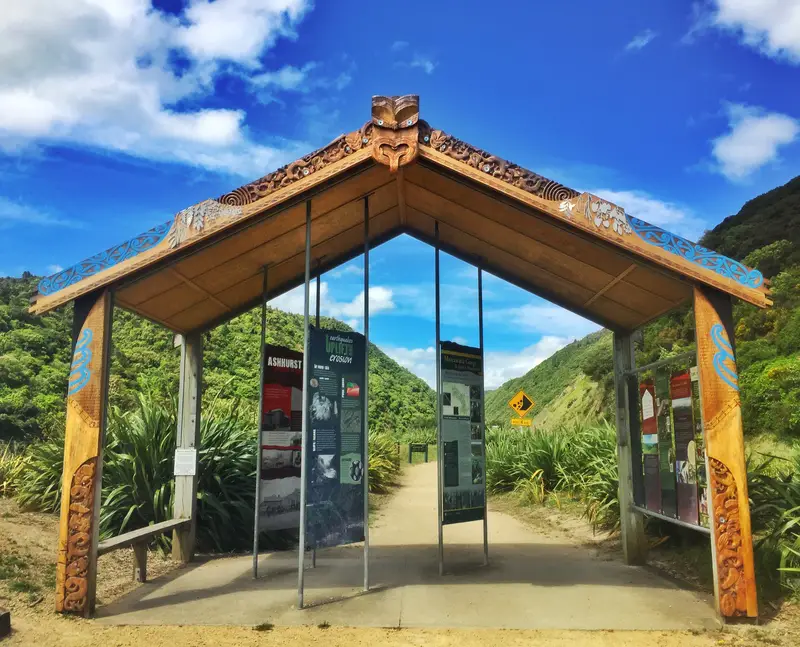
[[421, 448], [139, 539]]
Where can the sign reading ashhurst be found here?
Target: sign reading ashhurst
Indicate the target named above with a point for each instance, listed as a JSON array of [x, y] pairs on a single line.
[[335, 468], [281, 439], [463, 462]]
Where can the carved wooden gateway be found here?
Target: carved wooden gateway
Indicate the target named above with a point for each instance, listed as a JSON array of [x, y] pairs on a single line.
[[204, 265]]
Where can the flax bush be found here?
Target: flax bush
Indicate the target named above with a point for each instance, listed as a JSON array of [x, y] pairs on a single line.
[[138, 483]]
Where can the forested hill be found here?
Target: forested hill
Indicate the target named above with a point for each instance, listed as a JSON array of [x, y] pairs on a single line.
[[575, 382], [35, 356]]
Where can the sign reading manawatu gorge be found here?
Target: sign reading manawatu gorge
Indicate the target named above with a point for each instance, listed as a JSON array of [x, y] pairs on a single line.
[[281, 439], [462, 428], [335, 455]]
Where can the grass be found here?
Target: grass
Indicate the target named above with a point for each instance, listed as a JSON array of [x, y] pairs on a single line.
[[264, 626], [580, 463], [138, 483]]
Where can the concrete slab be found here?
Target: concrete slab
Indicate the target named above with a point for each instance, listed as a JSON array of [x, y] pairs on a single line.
[[532, 582]]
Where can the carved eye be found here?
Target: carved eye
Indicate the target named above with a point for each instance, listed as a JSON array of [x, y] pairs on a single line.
[[380, 122]]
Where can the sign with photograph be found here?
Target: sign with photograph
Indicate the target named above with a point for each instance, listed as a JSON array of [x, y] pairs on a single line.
[[462, 429], [685, 449], [281, 439], [650, 460], [335, 468]]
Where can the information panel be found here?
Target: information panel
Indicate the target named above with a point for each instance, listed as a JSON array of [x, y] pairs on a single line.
[[335, 468], [462, 427], [685, 450], [666, 447], [281, 439], [650, 461]]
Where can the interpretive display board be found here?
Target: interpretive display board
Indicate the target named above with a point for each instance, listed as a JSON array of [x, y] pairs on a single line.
[[700, 449], [652, 478], [685, 451], [462, 426], [666, 447], [673, 446], [335, 467], [281, 439]]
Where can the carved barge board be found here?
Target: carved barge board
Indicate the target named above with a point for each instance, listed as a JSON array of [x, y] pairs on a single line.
[[76, 569], [601, 219], [732, 541]]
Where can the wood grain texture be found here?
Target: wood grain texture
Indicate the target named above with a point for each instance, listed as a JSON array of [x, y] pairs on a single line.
[[732, 541], [76, 569], [609, 229], [634, 541], [162, 250]]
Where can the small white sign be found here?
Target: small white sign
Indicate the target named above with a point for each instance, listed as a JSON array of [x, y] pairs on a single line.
[[694, 374], [186, 462], [647, 406]]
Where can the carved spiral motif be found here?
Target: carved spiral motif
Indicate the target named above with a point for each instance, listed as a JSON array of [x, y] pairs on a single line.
[[80, 372], [728, 538], [724, 354], [338, 149], [722, 265], [79, 538], [104, 260], [497, 167]]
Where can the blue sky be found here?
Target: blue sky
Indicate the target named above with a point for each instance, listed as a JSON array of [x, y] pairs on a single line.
[[115, 115]]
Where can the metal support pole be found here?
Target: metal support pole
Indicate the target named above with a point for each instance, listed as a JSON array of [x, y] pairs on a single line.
[[305, 443], [366, 393], [314, 548], [318, 292], [483, 423], [439, 456], [260, 420]]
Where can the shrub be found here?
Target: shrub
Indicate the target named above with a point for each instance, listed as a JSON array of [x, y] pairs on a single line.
[[384, 462], [138, 483], [11, 461], [138, 487]]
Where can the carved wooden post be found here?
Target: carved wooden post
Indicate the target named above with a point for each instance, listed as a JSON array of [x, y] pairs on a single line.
[[190, 399], [634, 542], [729, 509], [76, 570]]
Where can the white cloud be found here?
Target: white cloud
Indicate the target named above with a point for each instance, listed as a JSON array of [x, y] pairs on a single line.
[[237, 30], [502, 366], [352, 312], [641, 40], [754, 139], [770, 26], [425, 63], [117, 75], [15, 213], [546, 319], [420, 361], [301, 80], [398, 45], [670, 216], [344, 270], [54, 269]]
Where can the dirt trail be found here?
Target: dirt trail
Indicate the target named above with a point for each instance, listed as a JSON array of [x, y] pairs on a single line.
[[522, 582]]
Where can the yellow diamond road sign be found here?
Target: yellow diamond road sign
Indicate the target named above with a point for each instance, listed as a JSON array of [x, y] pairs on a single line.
[[521, 403]]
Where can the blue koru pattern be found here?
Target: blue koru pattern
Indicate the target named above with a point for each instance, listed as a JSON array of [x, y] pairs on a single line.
[[104, 260], [79, 372], [724, 354], [706, 258]]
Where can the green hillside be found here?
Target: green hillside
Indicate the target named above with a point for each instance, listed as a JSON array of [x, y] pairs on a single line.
[[575, 382], [549, 383], [35, 356]]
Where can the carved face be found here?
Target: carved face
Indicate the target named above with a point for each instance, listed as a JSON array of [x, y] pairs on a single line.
[[395, 112]]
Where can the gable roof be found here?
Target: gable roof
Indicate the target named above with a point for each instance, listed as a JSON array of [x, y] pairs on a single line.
[[205, 264]]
